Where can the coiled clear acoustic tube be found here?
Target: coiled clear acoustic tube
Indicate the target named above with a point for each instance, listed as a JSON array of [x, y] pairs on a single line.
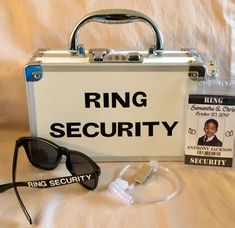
[[123, 190]]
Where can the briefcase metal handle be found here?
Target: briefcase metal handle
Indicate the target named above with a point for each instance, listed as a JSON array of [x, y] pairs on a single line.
[[115, 16]]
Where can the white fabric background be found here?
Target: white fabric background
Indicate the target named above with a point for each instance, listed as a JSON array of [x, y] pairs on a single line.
[[207, 197]]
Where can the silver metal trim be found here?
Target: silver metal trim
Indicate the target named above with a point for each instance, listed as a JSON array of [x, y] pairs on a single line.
[[125, 67], [31, 108]]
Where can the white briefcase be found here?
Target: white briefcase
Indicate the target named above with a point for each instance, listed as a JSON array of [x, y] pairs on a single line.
[[113, 104]]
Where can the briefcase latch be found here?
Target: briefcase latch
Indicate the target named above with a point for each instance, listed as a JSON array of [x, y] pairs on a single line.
[[112, 56], [98, 54]]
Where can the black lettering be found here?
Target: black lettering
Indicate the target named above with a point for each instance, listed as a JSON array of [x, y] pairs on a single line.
[[124, 103], [57, 132], [103, 130], [106, 100], [137, 129], [73, 129], [150, 127], [124, 127], [168, 128], [120, 129], [92, 98], [85, 130], [114, 98], [142, 102]]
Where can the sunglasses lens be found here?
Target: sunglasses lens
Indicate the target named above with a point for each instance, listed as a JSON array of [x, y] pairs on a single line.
[[81, 166], [42, 154]]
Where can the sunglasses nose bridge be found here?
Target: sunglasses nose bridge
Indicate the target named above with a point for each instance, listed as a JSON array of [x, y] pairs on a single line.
[[63, 151], [68, 164]]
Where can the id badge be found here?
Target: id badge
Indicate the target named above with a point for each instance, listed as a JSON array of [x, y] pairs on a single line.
[[209, 138]]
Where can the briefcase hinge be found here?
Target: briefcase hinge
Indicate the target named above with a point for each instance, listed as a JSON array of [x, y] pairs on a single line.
[[197, 72], [212, 68]]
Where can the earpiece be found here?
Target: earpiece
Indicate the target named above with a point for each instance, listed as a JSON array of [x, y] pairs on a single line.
[[119, 187]]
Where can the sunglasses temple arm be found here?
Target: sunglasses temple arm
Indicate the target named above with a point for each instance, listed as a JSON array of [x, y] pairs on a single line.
[[5, 187], [48, 183], [14, 166]]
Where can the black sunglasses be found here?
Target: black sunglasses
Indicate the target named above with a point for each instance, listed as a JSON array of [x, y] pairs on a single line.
[[47, 155]]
